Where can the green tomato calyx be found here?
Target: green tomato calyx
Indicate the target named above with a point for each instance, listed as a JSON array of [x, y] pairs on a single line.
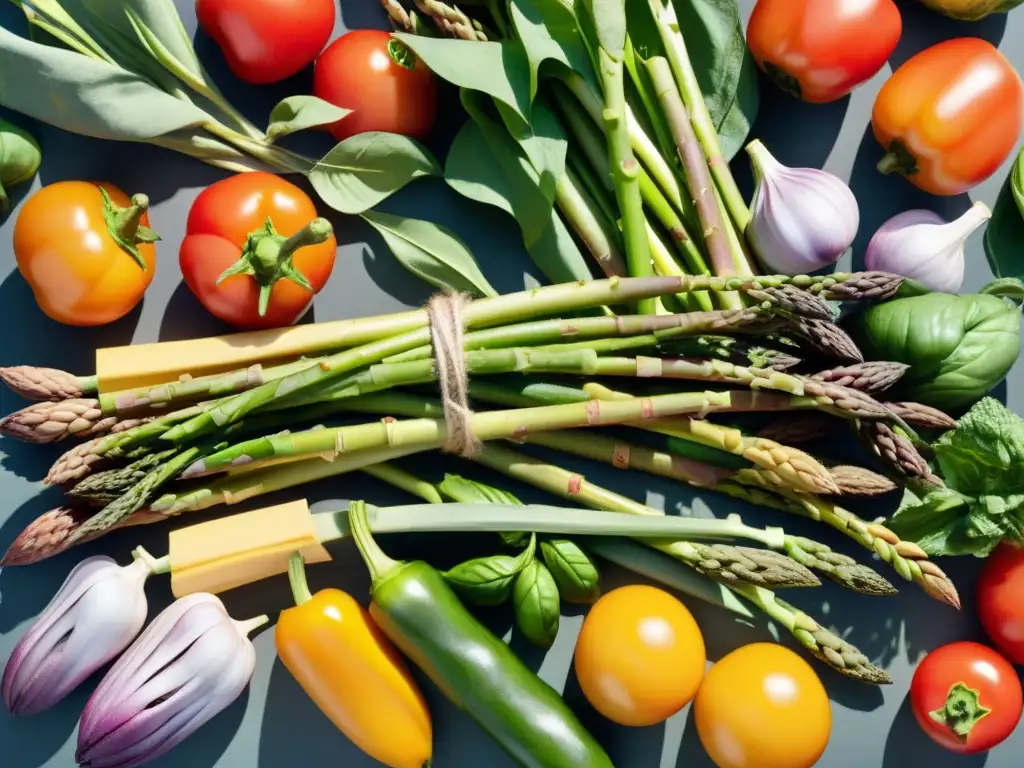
[[962, 711], [125, 225]]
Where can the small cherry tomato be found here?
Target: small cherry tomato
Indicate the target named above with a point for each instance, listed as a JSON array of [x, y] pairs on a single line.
[[820, 50], [381, 81], [949, 116], [640, 655], [1000, 604], [86, 250], [966, 697], [265, 41], [762, 706], [255, 252]]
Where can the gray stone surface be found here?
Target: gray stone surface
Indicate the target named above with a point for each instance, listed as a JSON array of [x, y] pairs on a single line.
[[274, 725]]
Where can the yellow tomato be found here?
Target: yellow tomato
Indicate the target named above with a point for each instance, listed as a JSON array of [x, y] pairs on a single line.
[[640, 656], [762, 706]]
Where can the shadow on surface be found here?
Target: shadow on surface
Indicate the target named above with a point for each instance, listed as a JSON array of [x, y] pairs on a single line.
[[882, 197], [356, 14], [907, 744], [783, 125], [691, 752], [204, 748], [32, 741], [923, 28]]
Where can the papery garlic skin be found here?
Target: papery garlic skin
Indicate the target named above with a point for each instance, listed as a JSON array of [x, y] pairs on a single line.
[[921, 245], [94, 616], [189, 664], [802, 219]]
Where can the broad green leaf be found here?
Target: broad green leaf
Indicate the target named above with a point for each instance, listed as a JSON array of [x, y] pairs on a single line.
[[85, 96], [550, 32], [498, 69], [369, 167], [976, 456], [544, 142], [609, 17], [297, 113], [1004, 237], [713, 31], [536, 604], [431, 252], [575, 573], [159, 27], [474, 171]]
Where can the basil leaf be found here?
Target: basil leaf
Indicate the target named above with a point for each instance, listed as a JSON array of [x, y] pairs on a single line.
[[433, 253], [977, 457], [466, 491], [536, 603], [367, 168], [1004, 237], [88, 97], [296, 113], [725, 70], [935, 523], [489, 580], [550, 32], [499, 70], [543, 141], [572, 569]]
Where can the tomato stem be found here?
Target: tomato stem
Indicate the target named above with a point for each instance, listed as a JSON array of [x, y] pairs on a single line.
[[962, 710], [125, 225], [267, 257], [297, 579], [400, 54]]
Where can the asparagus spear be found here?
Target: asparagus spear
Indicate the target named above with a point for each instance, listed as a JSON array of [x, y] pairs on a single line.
[[798, 428], [35, 383], [871, 377], [105, 487], [840, 568], [827, 338], [50, 422], [453, 22], [920, 415], [729, 349], [897, 452]]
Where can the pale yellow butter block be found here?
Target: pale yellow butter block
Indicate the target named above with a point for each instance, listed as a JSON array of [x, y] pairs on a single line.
[[223, 554]]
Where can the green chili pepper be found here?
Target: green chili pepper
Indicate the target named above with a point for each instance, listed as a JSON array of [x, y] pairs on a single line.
[[573, 570], [419, 612], [537, 606], [489, 580], [19, 159]]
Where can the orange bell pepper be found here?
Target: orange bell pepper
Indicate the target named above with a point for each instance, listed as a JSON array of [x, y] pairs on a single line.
[[346, 665], [949, 116]]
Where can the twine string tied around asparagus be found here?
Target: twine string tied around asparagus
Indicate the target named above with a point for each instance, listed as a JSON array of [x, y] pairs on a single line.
[[447, 337]]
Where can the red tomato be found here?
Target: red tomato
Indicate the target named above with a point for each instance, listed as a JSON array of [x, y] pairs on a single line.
[[820, 50], [382, 81], [1001, 600], [228, 229], [966, 697], [267, 40], [950, 116]]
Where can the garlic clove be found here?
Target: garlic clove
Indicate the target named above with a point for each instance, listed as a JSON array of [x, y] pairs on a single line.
[[802, 219], [921, 245]]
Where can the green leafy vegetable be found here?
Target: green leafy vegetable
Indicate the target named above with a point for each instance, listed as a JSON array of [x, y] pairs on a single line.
[[499, 70], [431, 252], [19, 159], [572, 569], [1004, 237], [550, 32], [537, 605], [489, 580], [297, 113], [958, 347], [543, 141], [984, 501], [466, 491], [369, 167]]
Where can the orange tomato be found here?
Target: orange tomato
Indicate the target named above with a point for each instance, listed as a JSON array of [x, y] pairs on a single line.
[[640, 656], [88, 258], [950, 116], [762, 706], [820, 50]]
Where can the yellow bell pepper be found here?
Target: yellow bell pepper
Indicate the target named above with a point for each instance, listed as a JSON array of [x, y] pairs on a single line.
[[347, 666]]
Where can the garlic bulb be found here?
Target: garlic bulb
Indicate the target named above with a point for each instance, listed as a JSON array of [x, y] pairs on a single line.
[[920, 245], [802, 219]]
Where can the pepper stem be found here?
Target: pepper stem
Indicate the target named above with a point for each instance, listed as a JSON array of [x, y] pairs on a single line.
[[297, 579], [376, 561], [125, 225], [962, 711], [156, 565], [245, 627], [899, 159], [267, 257]]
